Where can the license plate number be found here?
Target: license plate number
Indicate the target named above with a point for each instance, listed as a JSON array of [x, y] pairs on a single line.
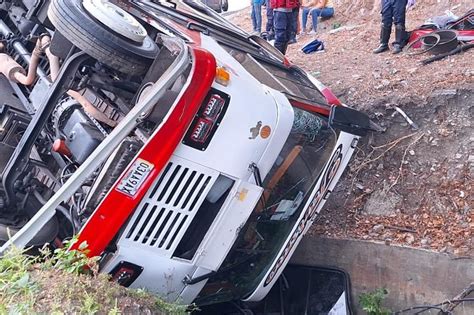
[[133, 180]]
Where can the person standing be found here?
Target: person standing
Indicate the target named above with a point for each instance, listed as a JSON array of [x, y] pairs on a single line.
[[393, 12], [283, 18], [257, 15], [295, 23]]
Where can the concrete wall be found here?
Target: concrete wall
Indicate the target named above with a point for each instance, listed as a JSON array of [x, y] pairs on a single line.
[[412, 276]]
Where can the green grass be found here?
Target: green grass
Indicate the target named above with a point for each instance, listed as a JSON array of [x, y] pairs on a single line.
[[57, 283], [371, 302]]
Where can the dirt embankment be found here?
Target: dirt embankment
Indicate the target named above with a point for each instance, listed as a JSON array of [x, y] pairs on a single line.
[[410, 186], [361, 78]]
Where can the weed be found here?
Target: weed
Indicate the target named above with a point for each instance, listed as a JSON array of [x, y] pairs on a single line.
[[57, 282], [115, 310], [372, 302], [70, 260], [89, 305], [15, 281]]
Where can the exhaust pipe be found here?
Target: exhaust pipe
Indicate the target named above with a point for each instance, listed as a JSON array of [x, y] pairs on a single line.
[[15, 72], [19, 48]]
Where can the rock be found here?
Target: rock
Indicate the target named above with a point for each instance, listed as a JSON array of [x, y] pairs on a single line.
[[385, 82], [409, 239], [470, 159], [447, 92], [378, 228], [412, 70], [425, 242], [382, 202], [411, 152], [344, 28], [376, 75]]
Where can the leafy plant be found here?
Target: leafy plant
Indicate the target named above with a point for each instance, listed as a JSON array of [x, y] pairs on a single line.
[[372, 302], [70, 260], [15, 279], [67, 281], [89, 305]]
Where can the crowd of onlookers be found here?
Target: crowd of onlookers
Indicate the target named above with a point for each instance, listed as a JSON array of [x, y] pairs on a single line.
[[287, 18], [283, 18]]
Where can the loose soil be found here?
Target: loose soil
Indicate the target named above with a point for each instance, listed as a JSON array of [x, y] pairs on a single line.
[[408, 185]]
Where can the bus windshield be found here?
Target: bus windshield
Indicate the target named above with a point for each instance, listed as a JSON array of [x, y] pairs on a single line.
[[287, 188]]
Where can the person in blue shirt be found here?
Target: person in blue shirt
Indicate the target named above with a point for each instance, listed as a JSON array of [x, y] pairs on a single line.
[[257, 15]]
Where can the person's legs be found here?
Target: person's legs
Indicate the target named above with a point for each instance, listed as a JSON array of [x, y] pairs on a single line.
[[258, 17], [386, 27], [282, 25], [294, 25], [304, 18], [269, 26], [254, 17], [315, 14], [327, 12], [399, 11]]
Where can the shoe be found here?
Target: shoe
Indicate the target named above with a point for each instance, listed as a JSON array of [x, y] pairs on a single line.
[[380, 49], [302, 33], [292, 41], [396, 49], [312, 32], [384, 38], [399, 35]]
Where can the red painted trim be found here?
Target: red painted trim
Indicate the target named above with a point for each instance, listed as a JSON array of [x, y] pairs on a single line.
[[417, 34], [330, 97], [313, 108], [116, 208]]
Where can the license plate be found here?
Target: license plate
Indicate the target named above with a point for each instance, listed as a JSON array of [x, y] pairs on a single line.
[[135, 177]]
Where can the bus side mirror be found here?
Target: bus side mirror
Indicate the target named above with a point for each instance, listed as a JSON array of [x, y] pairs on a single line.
[[351, 121]]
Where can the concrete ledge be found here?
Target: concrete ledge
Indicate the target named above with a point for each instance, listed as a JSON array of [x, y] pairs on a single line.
[[412, 276]]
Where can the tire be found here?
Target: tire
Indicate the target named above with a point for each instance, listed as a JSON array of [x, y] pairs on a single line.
[[225, 5], [97, 40]]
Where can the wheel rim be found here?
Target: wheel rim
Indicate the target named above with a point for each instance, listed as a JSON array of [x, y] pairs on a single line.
[[116, 19]]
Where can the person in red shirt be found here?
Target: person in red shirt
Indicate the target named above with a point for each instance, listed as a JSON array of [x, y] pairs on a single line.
[[283, 18]]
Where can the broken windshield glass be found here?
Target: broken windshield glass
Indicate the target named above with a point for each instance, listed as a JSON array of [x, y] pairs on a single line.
[[287, 186]]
